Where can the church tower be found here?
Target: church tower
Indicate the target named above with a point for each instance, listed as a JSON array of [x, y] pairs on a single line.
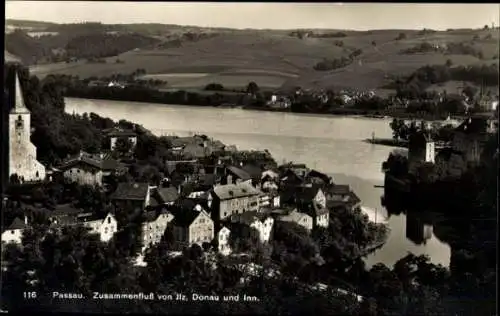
[[22, 153]]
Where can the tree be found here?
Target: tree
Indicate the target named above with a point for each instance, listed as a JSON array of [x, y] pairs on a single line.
[[214, 87], [401, 36], [252, 88], [449, 63]]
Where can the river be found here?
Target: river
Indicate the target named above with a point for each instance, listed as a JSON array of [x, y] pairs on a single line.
[[333, 145]]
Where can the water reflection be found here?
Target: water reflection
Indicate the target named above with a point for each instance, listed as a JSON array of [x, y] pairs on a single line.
[[417, 230]]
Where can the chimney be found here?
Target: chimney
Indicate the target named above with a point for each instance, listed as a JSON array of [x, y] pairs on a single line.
[[25, 220]]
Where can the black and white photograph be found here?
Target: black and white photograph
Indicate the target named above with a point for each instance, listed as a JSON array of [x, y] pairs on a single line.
[[250, 158]]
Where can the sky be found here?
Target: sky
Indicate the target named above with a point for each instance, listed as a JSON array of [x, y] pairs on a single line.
[[354, 16]]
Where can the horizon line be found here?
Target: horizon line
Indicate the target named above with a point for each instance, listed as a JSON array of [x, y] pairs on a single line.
[[258, 29]]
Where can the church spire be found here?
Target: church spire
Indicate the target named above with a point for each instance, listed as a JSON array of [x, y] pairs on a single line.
[[19, 105]]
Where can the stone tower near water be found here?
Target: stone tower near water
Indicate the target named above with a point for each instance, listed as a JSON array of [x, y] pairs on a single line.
[[21, 159]]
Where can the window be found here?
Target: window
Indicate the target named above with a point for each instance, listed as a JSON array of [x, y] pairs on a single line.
[[109, 220], [37, 174], [106, 230], [78, 170], [12, 232]]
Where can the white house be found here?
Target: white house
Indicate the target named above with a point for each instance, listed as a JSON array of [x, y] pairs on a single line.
[[154, 226], [262, 222], [14, 233], [105, 227], [223, 241], [299, 218]]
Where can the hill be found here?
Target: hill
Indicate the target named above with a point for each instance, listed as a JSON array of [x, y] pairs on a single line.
[[191, 57]]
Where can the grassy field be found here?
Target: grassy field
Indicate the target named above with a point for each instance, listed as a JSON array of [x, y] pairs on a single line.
[[273, 59]]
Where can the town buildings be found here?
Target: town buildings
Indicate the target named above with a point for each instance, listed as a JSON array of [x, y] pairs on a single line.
[[153, 227], [230, 199], [421, 149], [132, 196], [222, 241], [88, 169], [260, 221], [192, 225], [14, 232], [22, 160], [302, 219]]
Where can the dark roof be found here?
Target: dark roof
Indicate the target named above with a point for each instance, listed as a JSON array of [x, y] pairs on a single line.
[[65, 210], [168, 194], [131, 191], [88, 217], [184, 217], [17, 223], [339, 189], [307, 193], [150, 216], [446, 153], [93, 161], [231, 191], [240, 173], [312, 209], [196, 150], [122, 133], [255, 172], [354, 198], [207, 179], [316, 174]]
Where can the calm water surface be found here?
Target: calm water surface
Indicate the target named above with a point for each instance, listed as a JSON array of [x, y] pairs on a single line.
[[331, 144]]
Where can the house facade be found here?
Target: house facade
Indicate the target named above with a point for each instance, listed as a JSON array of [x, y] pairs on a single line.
[[154, 226], [104, 227], [191, 226], [132, 196], [299, 218], [14, 233], [262, 222], [421, 149], [229, 199], [223, 245]]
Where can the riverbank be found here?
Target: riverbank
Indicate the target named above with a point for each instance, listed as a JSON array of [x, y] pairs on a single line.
[[388, 142]]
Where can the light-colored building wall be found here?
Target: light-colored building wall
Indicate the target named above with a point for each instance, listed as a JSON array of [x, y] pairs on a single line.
[[301, 219], [223, 241], [238, 206], [12, 236], [22, 153], [84, 176], [320, 198], [104, 228], [152, 232], [201, 230], [323, 220]]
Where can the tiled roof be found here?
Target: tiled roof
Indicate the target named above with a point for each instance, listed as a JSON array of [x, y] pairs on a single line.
[[196, 150], [240, 173], [17, 223], [184, 217], [65, 210], [316, 174], [90, 160], [312, 209], [339, 189], [168, 194], [90, 217], [232, 191], [255, 172], [131, 191], [293, 216]]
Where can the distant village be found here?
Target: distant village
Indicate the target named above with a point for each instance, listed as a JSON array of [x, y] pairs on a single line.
[[202, 206]]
